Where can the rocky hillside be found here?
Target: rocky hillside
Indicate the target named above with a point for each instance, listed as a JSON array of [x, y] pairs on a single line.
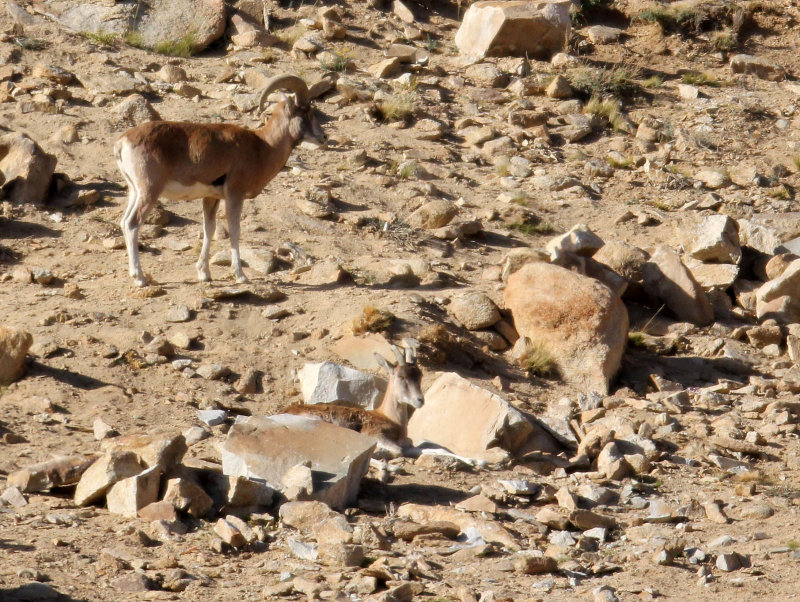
[[576, 217]]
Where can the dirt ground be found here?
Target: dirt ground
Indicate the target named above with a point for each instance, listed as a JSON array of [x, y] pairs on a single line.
[[91, 325]]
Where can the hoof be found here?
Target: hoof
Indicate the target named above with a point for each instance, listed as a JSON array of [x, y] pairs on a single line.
[[242, 279], [140, 281], [204, 277]]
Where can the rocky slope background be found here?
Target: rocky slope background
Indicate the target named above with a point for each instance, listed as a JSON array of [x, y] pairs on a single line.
[[586, 219]]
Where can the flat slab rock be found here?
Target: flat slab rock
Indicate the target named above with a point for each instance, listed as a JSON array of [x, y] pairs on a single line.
[[266, 447], [466, 419]]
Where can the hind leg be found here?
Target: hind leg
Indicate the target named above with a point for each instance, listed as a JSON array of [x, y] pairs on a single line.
[[138, 208], [209, 225]]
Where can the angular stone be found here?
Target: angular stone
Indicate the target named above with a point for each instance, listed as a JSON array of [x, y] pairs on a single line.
[[407, 531], [158, 511], [668, 281], [787, 284], [129, 495], [238, 491], [759, 237], [559, 88], [715, 238], [136, 109], [305, 516], [603, 34], [25, 169], [433, 214], [341, 554], [327, 382], [475, 310], [14, 344], [240, 525], [229, 533], [578, 320], [529, 564], [100, 476], [266, 447], [466, 419], [553, 519], [612, 463], [386, 68], [537, 29], [712, 275], [161, 449], [60, 472], [586, 519], [189, 497], [12, 496], [579, 240]]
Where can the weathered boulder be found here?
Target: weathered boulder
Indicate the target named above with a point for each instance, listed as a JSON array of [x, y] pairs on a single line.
[[715, 238], [327, 382], [101, 475], [129, 495], [475, 310], [490, 531], [158, 22], [537, 29], [433, 214], [668, 281], [466, 419], [581, 322], [14, 344], [306, 516], [136, 109], [266, 447], [25, 169]]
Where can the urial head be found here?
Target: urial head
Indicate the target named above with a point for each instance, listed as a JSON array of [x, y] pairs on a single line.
[[405, 377], [304, 125]]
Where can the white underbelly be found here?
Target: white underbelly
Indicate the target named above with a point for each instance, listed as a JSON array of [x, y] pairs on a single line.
[[175, 191]]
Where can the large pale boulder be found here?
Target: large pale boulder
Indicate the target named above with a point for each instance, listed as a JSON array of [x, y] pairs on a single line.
[[25, 169], [668, 281], [14, 344], [758, 236], [537, 29], [266, 447], [580, 321], [466, 419], [157, 21], [327, 382]]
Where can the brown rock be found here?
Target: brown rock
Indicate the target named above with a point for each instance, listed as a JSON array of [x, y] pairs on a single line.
[[229, 534], [160, 449], [579, 321], [670, 282], [14, 344], [536, 29], [55, 473], [475, 310], [528, 564], [25, 169], [189, 497]]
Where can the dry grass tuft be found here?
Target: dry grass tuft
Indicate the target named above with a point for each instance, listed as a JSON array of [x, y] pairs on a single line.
[[373, 319], [538, 361]]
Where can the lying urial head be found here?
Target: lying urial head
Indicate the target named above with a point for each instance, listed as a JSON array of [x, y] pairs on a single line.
[[405, 381], [300, 117]]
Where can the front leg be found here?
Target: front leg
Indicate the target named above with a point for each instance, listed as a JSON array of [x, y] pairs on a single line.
[[233, 207], [209, 226]]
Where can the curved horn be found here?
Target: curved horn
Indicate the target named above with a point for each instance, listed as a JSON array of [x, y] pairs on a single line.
[[399, 354], [285, 82]]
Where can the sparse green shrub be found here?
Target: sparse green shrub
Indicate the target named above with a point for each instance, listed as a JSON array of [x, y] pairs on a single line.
[[101, 37], [186, 46], [591, 82], [538, 361]]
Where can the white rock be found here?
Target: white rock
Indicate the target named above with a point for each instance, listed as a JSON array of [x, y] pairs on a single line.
[[327, 382]]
